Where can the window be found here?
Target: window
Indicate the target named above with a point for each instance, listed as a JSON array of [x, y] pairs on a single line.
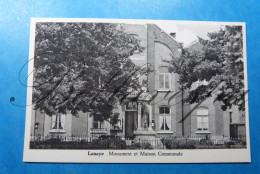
[[164, 118], [164, 78], [58, 122], [118, 125], [164, 81], [97, 124], [202, 119]]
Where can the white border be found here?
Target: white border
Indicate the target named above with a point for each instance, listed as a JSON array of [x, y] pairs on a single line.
[[81, 156]]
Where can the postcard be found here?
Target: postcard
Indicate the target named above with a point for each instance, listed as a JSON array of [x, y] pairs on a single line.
[[136, 91]]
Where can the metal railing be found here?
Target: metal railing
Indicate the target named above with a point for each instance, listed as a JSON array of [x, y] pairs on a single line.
[[85, 142], [98, 131]]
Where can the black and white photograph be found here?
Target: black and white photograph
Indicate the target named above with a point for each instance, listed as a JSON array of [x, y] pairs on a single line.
[[141, 90]]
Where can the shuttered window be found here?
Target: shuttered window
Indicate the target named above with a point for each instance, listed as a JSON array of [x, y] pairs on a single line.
[[58, 122], [164, 118], [202, 119]]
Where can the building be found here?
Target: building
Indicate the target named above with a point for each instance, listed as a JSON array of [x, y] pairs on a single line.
[[158, 112]]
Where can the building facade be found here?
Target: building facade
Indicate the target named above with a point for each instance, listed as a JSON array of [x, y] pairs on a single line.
[[158, 111]]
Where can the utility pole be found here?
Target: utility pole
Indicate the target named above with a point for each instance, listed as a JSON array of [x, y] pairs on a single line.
[[182, 110], [182, 103]]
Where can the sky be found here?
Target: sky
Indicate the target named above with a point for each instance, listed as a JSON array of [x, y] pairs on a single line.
[[189, 32]]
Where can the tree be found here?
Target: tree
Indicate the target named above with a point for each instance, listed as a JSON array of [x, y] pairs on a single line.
[[218, 61], [83, 67]]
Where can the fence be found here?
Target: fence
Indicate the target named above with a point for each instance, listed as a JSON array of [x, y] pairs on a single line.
[[143, 143], [204, 142], [115, 142], [62, 138], [218, 140]]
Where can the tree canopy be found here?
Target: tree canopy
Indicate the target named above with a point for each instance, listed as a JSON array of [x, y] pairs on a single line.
[[217, 61], [83, 67]]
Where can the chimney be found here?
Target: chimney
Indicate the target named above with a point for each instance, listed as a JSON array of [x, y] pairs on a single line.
[[181, 45], [173, 35]]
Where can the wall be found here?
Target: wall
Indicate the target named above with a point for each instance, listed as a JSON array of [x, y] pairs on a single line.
[[160, 47], [79, 125]]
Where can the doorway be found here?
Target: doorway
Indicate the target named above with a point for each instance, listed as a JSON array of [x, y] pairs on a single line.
[[130, 124]]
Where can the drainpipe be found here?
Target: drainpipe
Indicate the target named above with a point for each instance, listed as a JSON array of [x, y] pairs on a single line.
[[182, 110], [230, 120], [43, 124], [34, 123]]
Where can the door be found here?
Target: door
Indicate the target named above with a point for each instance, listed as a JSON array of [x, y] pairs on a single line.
[[130, 124], [233, 131]]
